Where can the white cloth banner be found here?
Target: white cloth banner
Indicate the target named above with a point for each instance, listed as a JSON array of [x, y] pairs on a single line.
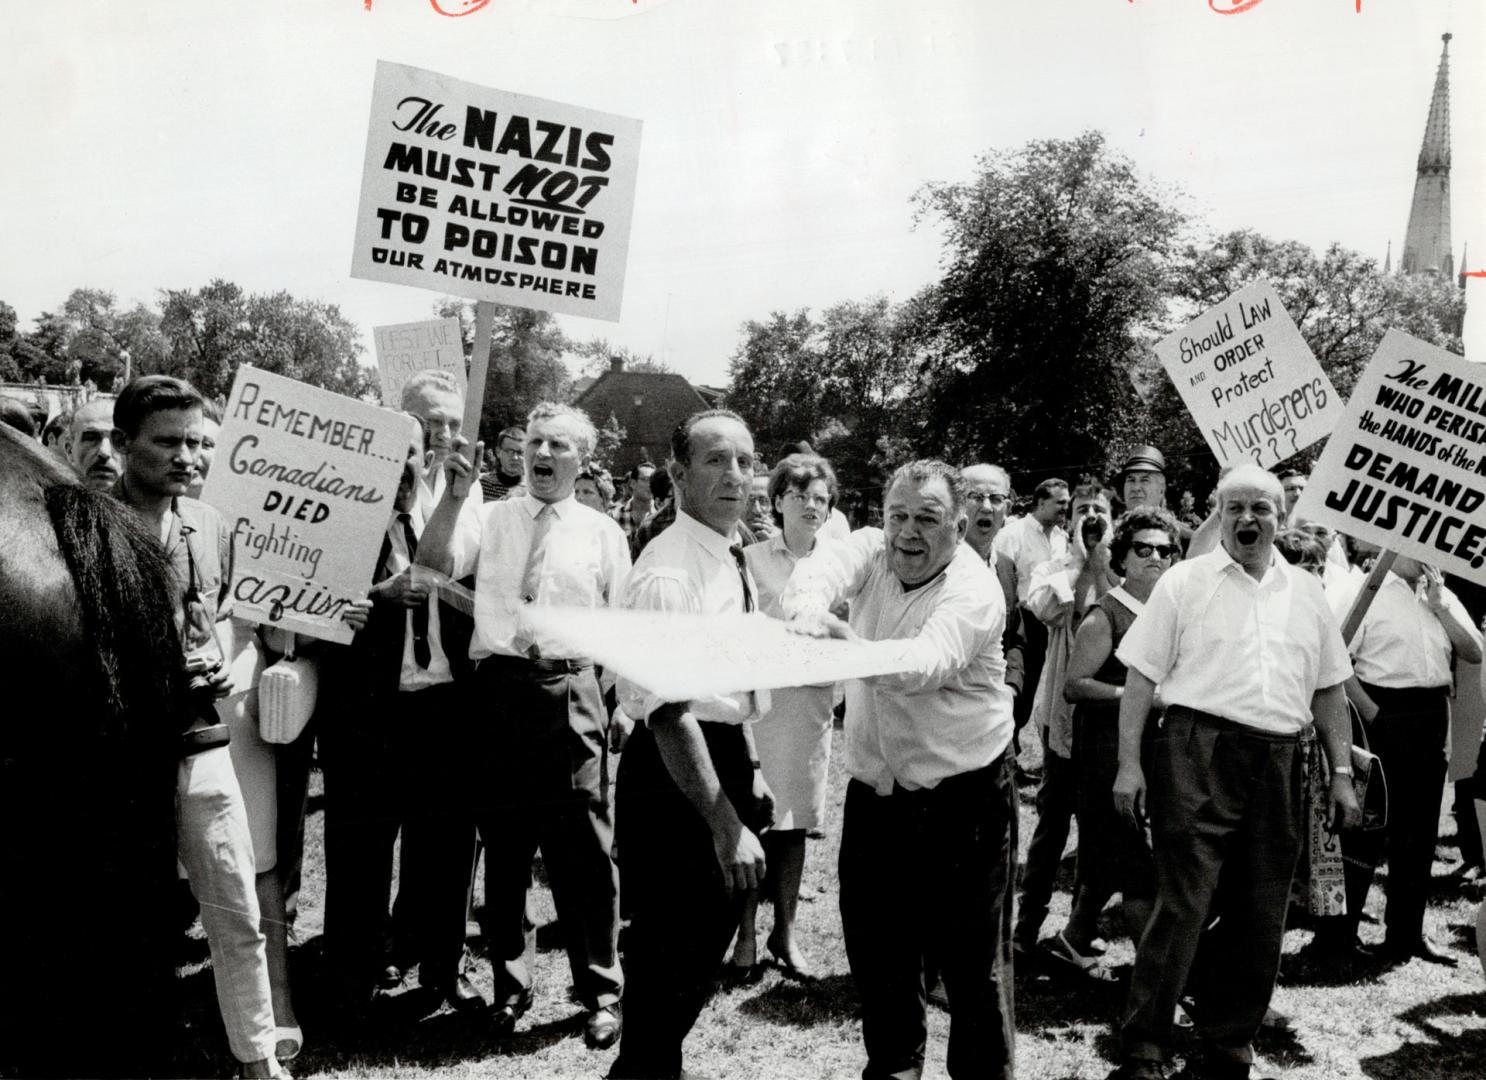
[[681, 657]]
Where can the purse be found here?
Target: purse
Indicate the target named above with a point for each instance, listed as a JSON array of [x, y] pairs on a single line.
[[1368, 781], [286, 697]]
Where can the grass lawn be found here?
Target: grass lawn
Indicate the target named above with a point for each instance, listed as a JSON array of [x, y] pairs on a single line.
[[1411, 1022]]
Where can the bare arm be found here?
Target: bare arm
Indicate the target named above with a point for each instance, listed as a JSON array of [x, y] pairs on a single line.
[[678, 737], [1329, 707], [1135, 708], [1465, 639], [1091, 648]]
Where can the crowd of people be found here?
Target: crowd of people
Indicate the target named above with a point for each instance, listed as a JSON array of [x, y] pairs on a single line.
[[1198, 710]]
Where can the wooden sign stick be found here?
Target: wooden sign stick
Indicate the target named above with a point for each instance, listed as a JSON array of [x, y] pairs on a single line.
[[474, 396], [1353, 621]]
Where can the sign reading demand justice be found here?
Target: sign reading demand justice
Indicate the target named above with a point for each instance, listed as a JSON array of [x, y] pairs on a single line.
[[1249, 379], [495, 196], [305, 479], [1406, 467]]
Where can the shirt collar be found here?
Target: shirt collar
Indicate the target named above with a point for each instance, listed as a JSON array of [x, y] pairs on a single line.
[[1275, 570], [717, 545], [533, 506]]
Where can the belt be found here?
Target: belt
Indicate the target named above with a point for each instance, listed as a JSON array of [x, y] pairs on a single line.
[[1177, 712], [201, 739], [521, 665], [922, 794]]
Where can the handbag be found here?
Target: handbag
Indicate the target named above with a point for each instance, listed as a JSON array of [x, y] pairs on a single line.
[[1368, 781], [286, 697]]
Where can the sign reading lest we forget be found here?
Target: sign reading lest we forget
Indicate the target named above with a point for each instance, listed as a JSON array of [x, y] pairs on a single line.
[[1406, 467], [495, 196], [1249, 380], [405, 349], [305, 479]]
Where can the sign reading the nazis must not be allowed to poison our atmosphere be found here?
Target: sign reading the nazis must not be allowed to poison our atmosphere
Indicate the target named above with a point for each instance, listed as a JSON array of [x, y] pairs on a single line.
[[495, 196], [305, 479], [1406, 466], [1249, 379]]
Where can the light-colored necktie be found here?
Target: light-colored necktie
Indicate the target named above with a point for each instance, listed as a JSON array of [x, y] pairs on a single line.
[[531, 577]]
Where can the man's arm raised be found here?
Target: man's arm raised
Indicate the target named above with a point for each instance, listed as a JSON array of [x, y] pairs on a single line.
[[436, 547]]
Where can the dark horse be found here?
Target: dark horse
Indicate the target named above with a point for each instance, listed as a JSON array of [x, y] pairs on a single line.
[[94, 692]]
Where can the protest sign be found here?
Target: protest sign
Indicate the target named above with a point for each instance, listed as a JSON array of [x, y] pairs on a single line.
[[407, 348], [495, 196], [305, 479], [1249, 380], [680, 657], [1406, 466]]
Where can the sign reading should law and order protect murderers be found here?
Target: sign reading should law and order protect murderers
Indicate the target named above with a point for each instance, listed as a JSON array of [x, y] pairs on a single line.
[[1406, 466], [1249, 379], [408, 348], [305, 479], [495, 196]]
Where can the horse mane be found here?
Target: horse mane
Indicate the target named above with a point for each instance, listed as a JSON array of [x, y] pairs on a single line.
[[125, 589]]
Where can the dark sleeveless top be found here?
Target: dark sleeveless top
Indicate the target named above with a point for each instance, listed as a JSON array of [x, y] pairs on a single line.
[[1121, 619]]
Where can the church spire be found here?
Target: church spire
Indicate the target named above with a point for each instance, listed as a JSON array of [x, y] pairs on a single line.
[[1426, 248], [1388, 259]]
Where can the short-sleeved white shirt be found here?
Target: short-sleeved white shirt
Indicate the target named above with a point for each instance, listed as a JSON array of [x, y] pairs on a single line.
[[1253, 652]]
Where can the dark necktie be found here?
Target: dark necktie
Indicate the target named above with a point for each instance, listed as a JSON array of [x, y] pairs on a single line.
[[421, 652], [737, 550]]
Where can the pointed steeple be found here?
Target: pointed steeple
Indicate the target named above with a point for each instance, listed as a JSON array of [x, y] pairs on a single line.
[[1426, 248], [1388, 259], [1465, 260]]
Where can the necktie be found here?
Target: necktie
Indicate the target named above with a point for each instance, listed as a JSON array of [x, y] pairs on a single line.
[[737, 550], [531, 577], [421, 652]]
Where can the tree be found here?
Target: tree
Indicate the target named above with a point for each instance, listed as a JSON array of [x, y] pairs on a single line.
[[1340, 300], [774, 384], [10, 370], [526, 350], [1055, 276]]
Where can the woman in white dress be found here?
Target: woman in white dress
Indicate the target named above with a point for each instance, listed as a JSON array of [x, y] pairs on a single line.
[[794, 736]]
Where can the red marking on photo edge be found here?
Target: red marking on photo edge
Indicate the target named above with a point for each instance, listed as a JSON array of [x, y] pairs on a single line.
[[1473, 273]]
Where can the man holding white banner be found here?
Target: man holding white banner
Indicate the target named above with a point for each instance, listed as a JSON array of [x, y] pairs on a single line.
[[692, 798], [540, 733], [928, 839]]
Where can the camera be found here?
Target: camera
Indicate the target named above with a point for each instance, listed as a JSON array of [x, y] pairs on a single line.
[[1092, 530]]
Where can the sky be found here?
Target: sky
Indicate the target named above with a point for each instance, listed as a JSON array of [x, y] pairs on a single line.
[[159, 144]]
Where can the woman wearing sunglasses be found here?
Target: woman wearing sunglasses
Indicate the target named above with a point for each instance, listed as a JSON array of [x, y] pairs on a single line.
[[1112, 855]]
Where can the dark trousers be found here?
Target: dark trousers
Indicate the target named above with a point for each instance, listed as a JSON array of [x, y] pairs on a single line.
[[1226, 826], [681, 915], [1408, 735], [1034, 653], [543, 773], [929, 873], [1057, 799], [393, 761]]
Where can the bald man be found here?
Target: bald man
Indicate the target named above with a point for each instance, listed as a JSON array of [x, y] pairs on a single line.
[[89, 445], [1246, 651]]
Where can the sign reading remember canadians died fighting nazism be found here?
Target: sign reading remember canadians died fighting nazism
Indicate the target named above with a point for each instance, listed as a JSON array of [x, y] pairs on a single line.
[[495, 196], [1406, 467], [305, 479], [1249, 379]]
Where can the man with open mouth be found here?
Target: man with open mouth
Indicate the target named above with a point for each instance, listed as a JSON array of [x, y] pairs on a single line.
[[1246, 652]]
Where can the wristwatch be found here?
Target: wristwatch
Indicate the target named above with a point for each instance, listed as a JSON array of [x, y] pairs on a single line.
[[1342, 770]]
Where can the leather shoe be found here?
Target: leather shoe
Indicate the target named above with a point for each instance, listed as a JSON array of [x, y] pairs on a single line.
[[460, 993], [390, 978], [601, 1029], [1423, 948], [504, 1021]]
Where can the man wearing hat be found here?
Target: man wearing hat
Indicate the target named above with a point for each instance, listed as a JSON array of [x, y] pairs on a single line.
[[1141, 482]]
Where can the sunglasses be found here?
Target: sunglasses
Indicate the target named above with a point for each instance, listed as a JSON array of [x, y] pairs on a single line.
[[1144, 551]]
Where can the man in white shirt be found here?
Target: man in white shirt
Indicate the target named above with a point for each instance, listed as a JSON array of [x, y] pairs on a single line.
[[928, 838], [691, 798], [1403, 654], [434, 397], [540, 731], [1246, 652], [1028, 542]]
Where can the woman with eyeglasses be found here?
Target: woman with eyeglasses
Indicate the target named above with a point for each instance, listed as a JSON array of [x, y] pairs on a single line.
[[793, 738], [1112, 855]]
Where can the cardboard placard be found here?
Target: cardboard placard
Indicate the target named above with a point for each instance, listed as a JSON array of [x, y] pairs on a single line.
[[405, 349], [1406, 466], [1249, 379], [495, 196], [306, 480]]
